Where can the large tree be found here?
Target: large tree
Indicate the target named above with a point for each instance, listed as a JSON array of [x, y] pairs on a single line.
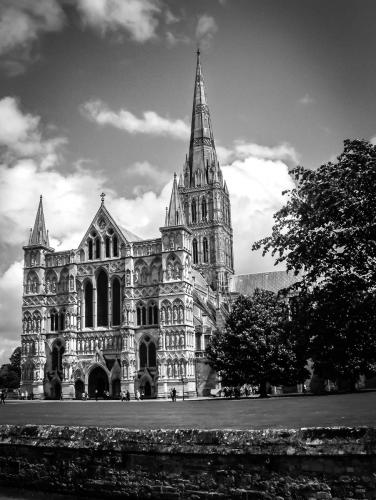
[[327, 232], [256, 345], [10, 374]]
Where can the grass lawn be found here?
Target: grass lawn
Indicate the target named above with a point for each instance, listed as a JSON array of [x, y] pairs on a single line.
[[286, 412]]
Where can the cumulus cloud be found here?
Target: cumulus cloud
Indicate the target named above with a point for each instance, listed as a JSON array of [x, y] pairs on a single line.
[[242, 150], [205, 29], [21, 136], [255, 186], [136, 17], [21, 23], [151, 123]]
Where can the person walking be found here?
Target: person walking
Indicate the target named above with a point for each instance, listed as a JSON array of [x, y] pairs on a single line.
[[137, 395], [2, 397], [128, 396], [174, 394]]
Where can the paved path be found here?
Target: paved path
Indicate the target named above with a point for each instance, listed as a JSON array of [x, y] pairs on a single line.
[[285, 412]]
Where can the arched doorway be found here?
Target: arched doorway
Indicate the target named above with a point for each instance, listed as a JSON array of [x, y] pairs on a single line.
[[56, 390], [116, 388], [79, 388], [97, 380], [147, 389]]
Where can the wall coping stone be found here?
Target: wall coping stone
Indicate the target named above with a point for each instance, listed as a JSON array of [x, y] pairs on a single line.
[[317, 441]]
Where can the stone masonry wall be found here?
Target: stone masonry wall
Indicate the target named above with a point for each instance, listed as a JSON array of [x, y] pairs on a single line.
[[307, 464]]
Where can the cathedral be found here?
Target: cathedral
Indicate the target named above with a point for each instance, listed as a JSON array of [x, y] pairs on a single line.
[[120, 313]]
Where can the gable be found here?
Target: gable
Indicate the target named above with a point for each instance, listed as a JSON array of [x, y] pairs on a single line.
[[104, 225]]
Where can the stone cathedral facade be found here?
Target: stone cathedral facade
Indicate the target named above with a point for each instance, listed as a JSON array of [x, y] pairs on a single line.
[[119, 313]]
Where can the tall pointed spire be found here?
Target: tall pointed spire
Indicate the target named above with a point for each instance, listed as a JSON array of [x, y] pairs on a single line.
[[175, 215], [202, 153], [39, 236]]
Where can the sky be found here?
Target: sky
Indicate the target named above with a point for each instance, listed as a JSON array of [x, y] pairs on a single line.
[[96, 95]]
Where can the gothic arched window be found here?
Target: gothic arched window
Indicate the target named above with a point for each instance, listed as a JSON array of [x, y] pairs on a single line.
[[90, 248], [147, 353], [194, 211], [141, 314], [116, 304], [54, 321], [143, 355], [195, 251], [88, 305], [107, 241], [205, 249], [115, 247], [102, 299], [204, 209], [97, 248]]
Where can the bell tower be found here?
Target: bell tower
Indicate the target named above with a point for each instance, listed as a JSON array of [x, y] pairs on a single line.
[[205, 196]]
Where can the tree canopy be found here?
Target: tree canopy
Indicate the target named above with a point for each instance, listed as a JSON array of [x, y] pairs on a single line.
[[256, 345], [327, 232], [10, 373]]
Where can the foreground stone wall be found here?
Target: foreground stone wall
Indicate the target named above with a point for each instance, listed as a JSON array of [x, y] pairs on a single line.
[[191, 464]]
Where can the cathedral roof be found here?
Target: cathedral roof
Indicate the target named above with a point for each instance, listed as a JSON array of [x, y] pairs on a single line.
[[175, 214], [39, 235], [202, 153], [273, 281]]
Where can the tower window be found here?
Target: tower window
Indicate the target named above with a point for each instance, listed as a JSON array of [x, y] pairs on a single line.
[[107, 246], [195, 251], [205, 249], [194, 211], [204, 209]]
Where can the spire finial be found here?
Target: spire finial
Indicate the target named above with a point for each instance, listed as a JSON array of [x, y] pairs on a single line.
[[102, 198]]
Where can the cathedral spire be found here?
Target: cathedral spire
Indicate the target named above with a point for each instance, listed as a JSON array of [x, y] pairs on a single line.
[[39, 235], [175, 215], [202, 158]]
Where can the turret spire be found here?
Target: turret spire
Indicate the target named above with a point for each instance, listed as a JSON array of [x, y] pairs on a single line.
[[202, 154], [39, 236], [175, 215]]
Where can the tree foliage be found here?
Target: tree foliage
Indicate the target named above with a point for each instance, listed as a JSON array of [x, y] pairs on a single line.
[[327, 232], [10, 373], [15, 361], [256, 345]]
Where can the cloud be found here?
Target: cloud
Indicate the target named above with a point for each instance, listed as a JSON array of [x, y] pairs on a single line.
[[255, 186], [21, 136], [205, 29], [136, 17], [306, 99], [21, 24], [144, 176], [174, 39], [242, 150], [151, 123]]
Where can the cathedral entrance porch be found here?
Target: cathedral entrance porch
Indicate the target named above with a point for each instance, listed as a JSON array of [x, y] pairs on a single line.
[[98, 380]]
